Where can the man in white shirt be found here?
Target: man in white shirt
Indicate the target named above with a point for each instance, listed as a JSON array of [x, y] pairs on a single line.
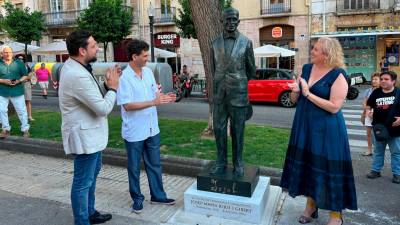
[[138, 96]]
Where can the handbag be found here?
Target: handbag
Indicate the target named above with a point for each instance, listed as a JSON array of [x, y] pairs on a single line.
[[381, 133], [380, 130]]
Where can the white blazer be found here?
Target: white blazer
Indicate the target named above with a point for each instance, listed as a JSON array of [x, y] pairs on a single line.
[[84, 110]]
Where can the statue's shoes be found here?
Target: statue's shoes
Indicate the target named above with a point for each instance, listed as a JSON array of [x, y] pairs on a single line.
[[238, 171], [216, 170]]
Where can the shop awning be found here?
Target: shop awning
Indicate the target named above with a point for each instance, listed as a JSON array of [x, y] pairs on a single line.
[[354, 34], [54, 48], [272, 51], [161, 53], [19, 48]]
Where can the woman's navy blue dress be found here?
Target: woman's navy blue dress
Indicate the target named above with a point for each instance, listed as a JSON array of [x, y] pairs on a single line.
[[318, 161]]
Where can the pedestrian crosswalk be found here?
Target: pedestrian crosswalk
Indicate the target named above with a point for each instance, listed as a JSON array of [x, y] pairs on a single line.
[[355, 129]]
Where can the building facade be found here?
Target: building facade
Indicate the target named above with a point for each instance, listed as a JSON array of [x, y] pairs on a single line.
[[368, 30], [259, 20]]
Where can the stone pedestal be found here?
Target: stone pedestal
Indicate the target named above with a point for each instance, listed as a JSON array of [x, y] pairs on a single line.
[[237, 208], [228, 183]]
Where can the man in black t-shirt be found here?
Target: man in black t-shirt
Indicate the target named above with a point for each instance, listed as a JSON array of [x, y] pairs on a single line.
[[379, 105]]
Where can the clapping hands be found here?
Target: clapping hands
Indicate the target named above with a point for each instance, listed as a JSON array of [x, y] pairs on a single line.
[[112, 76], [164, 98]]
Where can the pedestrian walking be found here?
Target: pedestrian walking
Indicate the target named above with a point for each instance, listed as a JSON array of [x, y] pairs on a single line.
[[12, 74], [28, 90], [383, 107], [318, 161], [84, 105], [138, 95], [365, 119], [43, 76]]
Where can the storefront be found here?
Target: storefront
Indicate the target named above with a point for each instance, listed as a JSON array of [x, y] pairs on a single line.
[[169, 41], [281, 36], [363, 47], [359, 54]]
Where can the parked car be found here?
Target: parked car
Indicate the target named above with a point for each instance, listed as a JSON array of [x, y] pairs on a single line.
[[271, 85]]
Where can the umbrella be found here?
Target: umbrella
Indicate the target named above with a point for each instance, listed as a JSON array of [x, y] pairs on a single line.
[[272, 51], [160, 53], [54, 48], [19, 48]]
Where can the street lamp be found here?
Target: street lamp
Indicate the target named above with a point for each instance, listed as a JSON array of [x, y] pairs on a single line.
[[150, 12]]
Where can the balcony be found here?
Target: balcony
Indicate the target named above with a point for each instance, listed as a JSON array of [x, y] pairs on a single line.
[[273, 7], [357, 6], [68, 18], [164, 16]]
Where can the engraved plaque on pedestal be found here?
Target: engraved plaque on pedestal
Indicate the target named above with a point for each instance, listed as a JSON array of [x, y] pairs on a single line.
[[228, 183]]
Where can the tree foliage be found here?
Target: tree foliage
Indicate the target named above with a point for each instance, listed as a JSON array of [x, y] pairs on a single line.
[[107, 20], [184, 21], [21, 25]]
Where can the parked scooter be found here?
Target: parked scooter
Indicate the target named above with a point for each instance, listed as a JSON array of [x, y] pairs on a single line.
[[353, 80], [187, 85], [183, 86]]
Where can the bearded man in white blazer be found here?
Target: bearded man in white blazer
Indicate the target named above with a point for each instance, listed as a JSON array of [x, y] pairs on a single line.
[[84, 105]]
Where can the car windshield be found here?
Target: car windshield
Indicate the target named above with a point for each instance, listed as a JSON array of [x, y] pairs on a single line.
[[273, 74]]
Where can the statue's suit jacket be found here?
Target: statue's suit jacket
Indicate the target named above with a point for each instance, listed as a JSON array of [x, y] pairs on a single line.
[[84, 106], [232, 70]]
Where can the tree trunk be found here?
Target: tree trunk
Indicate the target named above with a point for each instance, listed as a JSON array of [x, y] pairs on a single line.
[[105, 51], [206, 16]]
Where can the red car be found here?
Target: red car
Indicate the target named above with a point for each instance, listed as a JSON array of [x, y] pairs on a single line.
[[271, 85]]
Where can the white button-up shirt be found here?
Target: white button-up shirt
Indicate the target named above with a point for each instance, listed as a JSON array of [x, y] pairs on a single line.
[[137, 125]]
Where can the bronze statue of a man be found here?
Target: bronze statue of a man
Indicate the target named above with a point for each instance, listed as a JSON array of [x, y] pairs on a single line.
[[232, 63]]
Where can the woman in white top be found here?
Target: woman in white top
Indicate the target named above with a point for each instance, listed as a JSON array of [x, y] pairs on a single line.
[[366, 119]]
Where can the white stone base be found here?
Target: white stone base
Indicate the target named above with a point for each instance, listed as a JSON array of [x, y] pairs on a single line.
[[205, 208]]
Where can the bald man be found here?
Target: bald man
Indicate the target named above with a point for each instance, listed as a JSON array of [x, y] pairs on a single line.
[[12, 74]]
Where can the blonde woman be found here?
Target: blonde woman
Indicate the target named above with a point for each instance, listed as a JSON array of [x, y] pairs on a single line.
[[318, 162], [365, 119]]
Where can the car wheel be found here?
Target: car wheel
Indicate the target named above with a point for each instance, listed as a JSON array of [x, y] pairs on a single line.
[[352, 93], [284, 100]]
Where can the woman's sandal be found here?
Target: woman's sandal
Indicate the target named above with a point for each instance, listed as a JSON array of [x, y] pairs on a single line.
[[367, 154], [304, 219]]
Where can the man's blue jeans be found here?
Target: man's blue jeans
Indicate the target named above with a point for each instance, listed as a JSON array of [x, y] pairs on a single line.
[[86, 169], [150, 150], [379, 154]]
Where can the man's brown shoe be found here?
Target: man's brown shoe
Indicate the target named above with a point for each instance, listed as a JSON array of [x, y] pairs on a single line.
[[4, 134], [373, 174], [26, 134]]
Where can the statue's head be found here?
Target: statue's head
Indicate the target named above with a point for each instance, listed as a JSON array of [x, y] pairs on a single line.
[[230, 19]]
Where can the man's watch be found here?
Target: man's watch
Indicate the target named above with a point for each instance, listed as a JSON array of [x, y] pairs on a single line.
[[109, 89]]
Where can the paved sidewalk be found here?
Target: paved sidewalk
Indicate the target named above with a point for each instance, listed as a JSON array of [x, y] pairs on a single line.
[[378, 200], [34, 190], [23, 210], [47, 181]]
